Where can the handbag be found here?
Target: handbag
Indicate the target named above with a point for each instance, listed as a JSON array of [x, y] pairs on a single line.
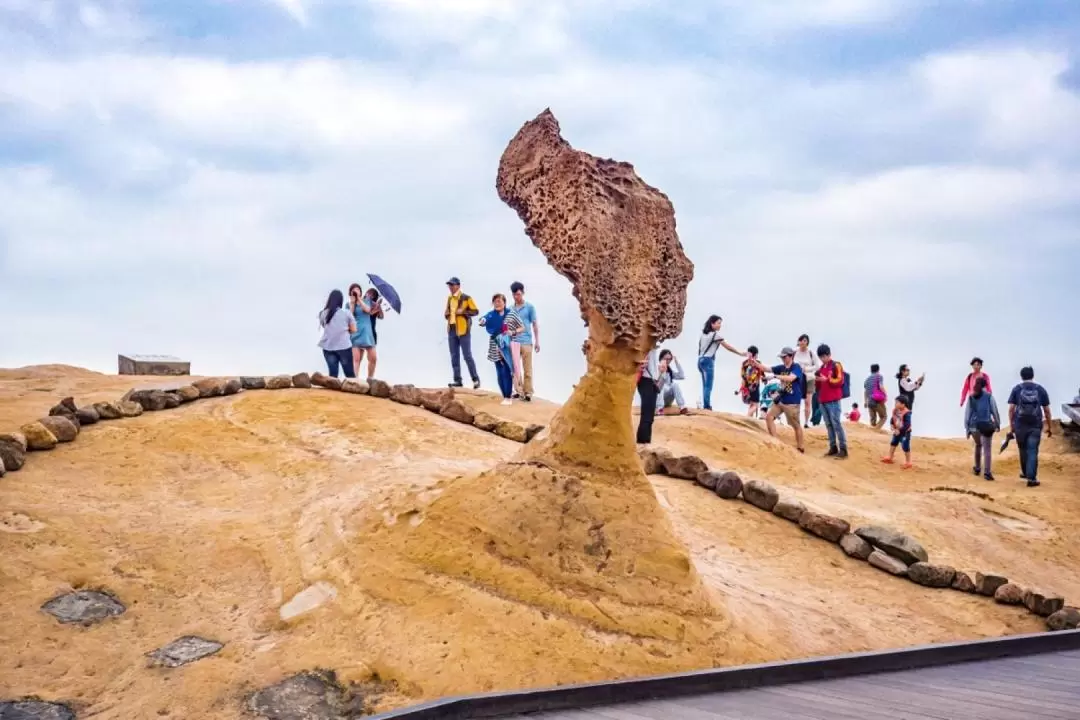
[[877, 394]]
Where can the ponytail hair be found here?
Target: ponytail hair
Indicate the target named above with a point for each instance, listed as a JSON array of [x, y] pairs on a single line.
[[709, 323]]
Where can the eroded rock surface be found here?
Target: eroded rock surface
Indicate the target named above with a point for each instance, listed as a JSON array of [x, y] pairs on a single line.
[[34, 710], [184, 650], [307, 696], [84, 607]]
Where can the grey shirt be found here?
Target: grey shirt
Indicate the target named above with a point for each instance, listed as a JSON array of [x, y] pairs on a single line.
[[335, 334]]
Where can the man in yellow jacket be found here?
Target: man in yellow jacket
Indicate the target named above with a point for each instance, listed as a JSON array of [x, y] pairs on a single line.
[[460, 310]]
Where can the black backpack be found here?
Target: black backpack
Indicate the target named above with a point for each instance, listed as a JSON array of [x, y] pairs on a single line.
[[1028, 402]]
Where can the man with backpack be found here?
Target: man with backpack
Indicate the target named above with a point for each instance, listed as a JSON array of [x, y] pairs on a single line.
[[830, 388], [1029, 410]]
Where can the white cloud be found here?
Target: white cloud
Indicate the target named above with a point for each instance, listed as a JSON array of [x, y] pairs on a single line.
[[204, 206]]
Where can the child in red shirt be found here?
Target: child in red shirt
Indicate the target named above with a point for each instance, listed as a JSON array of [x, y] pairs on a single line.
[[854, 415]]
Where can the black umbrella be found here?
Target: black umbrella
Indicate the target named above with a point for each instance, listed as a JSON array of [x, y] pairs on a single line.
[[387, 291]]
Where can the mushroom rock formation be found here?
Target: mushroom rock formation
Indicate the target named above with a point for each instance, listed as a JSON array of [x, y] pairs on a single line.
[[571, 524]]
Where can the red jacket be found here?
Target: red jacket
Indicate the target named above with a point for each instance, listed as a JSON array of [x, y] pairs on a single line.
[[830, 382]]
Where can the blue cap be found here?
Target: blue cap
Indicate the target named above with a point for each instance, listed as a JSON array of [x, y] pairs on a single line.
[[453, 281]]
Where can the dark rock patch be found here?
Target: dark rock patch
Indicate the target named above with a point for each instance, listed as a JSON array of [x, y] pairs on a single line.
[[988, 584], [151, 400], [87, 415], [1043, 605], [184, 650], [307, 696], [963, 582], [684, 467], [1064, 619], [108, 410], [301, 380], [62, 428], [232, 386], [760, 494], [729, 485], [34, 710], [1009, 594], [253, 383], [709, 478], [435, 400], [172, 400], [935, 576], [900, 546], [455, 410], [824, 526], [279, 382], [405, 394], [856, 547], [653, 459], [379, 389], [85, 607], [13, 450]]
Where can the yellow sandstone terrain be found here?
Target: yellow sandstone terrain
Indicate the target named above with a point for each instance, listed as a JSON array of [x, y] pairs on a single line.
[[210, 519]]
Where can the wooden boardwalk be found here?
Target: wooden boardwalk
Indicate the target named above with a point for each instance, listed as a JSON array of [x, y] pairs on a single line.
[[1032, 687]]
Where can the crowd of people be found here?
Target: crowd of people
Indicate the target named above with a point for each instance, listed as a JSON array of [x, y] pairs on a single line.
[[808, 386]]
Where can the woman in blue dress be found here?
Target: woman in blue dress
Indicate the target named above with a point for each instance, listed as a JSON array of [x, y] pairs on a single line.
[[363, 340]]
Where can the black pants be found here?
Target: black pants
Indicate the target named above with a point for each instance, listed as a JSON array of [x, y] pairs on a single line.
[[648, 392]]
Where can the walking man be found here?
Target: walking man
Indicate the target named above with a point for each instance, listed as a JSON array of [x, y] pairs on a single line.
[[874, 397], [1029, 410], [830, 385], [527, 340], [460, 310], [791, 378]]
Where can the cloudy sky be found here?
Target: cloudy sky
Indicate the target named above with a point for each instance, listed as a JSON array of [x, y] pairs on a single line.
[[899, 178]]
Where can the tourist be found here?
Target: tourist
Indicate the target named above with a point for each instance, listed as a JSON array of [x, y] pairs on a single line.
[[1029, 411], [790, 375], [981, 421], [875, 397], [363, 338], [459, 312], [647, 389], [374, 301], [501, 322], [770, 392], [907, 385], [830, 384], [667, 386], [750, 377], [526, 342], [969, 381], [901, 432], [809, 363], [336, 343], [854, 415], [709, 342]]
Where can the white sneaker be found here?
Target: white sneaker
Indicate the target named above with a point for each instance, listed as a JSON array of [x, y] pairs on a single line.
[[507, 401]]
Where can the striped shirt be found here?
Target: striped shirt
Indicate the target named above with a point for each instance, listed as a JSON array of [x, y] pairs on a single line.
[[511, 322]]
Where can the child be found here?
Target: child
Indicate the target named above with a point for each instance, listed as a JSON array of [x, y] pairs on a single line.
[[770, 390], [901, 427], [854, 415]]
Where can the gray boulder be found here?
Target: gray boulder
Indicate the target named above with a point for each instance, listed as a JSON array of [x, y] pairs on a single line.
[[61, 427], [789, 508], [85, 607], [151, 400], [856, 547], [405, 394], [354, 387], [301, 380], [1043, 605], [307, 696], [108, 410], [760, 494], [963, 582], [184, 650], [278, 382], [824, 526], [232, 386], [379, 389], [253, 383], [900, 546], [988, 584], [13, 450], [1010, 594], [709, 478], [684, 467], [887, 563], [652, 460], [87, 415], [1064, 619]]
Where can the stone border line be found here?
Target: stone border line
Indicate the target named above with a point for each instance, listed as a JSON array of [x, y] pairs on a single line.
[[66, 420], [886, 549], [90, 606]]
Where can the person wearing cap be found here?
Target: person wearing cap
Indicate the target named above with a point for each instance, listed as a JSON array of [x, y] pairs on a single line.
[[792, 381], [460, 310]]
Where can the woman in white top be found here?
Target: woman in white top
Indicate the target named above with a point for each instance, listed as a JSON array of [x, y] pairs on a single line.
[[809, 363], [709, 342], [336, 341]]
